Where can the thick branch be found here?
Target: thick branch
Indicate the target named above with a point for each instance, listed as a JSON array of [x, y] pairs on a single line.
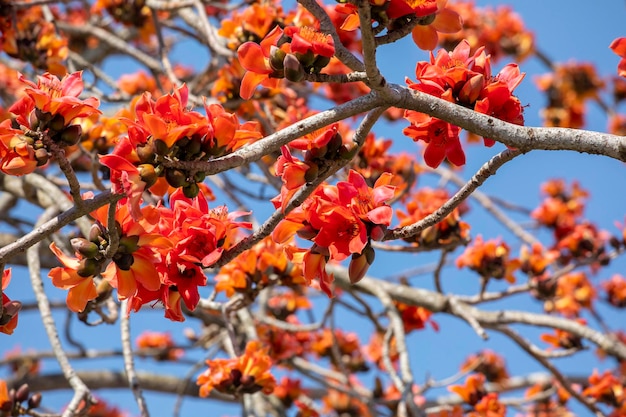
[[514, 136]]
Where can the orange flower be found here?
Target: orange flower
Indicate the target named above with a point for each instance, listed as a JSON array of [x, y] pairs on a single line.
[[76, 276], [30, 37], [5, 400], [307, 39], [134, 263], [348, 344], [17, 156], [53, 96], [473, 390], [424, 202], [489, 406], [288, 390], [246, 374], [490, 259], [415, 317], [573, 293], [501, 31], [567, 90], [466, 80], [255, 58], [563, 339], [605, 388], [446, 20], [159, 341], [441, 138], [9, 309]]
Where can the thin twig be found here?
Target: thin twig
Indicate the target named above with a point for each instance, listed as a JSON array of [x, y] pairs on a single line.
[[129, 362]]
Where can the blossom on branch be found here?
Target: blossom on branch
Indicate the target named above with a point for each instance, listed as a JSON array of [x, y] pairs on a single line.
[[246, 374], [466, 80]]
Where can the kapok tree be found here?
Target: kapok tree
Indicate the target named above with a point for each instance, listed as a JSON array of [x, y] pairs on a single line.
[[249, 196]]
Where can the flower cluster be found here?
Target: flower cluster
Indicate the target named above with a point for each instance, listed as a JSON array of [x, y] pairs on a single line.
[[28, 36], [130, 13], [607, 389], [466, 80], [573, 292], [159, 257], [261, 266], [164, 130], [42, 121], [340, 220], [348, 346], [246, 374], [450, 231], [284, 53], [490, 259], [501, 31], [567, 89], [432, 17], [575, 238]]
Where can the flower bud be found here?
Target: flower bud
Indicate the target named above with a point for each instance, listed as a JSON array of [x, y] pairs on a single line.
[[57, 123], [199, 176], [84, 247], [160, 147], [194, 147], [34, 400], [306, 59], [175, 177], [277, 56], [293, 69], [128, 244], [146, 152], [123, 261], [22, 393], [320, 63], [42, 156], [191, 190], [426, 20], [311, 173], [94, 233], [347, 153], [148, 174], [88, 268], [334, 144], [360, 263], [8, 311], [71, 135]]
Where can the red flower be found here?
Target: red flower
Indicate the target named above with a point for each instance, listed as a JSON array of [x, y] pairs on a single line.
[[307, 39], [54, 96], [619, 47], [254, 58], [442, 139], [419, 8], [74, 277]]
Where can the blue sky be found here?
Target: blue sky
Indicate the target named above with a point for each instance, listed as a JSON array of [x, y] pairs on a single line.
[[564, 30]]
